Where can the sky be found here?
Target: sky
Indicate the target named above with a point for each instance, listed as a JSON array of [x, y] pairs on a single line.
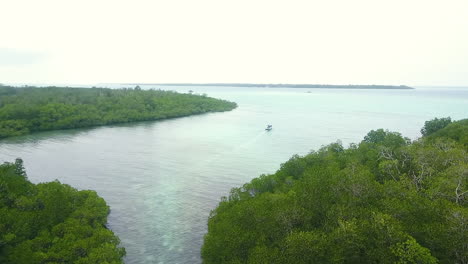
[[395, 42]]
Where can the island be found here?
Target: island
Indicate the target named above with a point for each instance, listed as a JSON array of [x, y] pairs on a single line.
[[52, 222], [29, 109], [284, 85], [385, 200]]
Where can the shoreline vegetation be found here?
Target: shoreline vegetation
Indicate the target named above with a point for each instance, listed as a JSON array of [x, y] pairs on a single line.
[[385, 200], [29, 109], [285, 85], [52, 222]]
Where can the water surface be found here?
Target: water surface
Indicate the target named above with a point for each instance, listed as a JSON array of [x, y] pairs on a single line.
[[162, 178]]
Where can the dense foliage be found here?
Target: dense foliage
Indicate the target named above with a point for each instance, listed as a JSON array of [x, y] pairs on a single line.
[[384, 200], [29, 109], [434, 125], [52, 222]]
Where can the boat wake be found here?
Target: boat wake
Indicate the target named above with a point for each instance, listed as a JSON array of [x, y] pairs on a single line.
[[232, 151]]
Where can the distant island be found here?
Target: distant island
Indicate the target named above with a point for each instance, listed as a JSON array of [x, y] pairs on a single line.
[[29, 109], [285, 85]]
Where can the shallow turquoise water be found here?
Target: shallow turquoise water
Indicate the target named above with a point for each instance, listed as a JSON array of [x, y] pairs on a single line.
[[161, 179]]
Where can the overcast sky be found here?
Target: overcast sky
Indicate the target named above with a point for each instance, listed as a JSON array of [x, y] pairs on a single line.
[[360, 42]]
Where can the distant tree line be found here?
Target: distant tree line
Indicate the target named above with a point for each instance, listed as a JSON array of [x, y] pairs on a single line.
[[29, 109], [384, 200], [52, 222], [289, 85]]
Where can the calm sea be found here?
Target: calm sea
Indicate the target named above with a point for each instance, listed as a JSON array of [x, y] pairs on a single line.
[[162, 178]]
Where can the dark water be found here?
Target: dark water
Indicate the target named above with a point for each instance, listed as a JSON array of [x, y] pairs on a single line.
[[161, 179]]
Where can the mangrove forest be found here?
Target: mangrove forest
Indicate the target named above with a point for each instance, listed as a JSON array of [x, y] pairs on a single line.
[[30, 109], [52, 222], [385, 200]]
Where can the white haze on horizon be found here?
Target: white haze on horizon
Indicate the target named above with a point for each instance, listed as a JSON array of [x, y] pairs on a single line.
[[340, 42]]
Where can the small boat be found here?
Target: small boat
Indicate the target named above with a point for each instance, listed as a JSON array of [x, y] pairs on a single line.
[[269, 127]]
